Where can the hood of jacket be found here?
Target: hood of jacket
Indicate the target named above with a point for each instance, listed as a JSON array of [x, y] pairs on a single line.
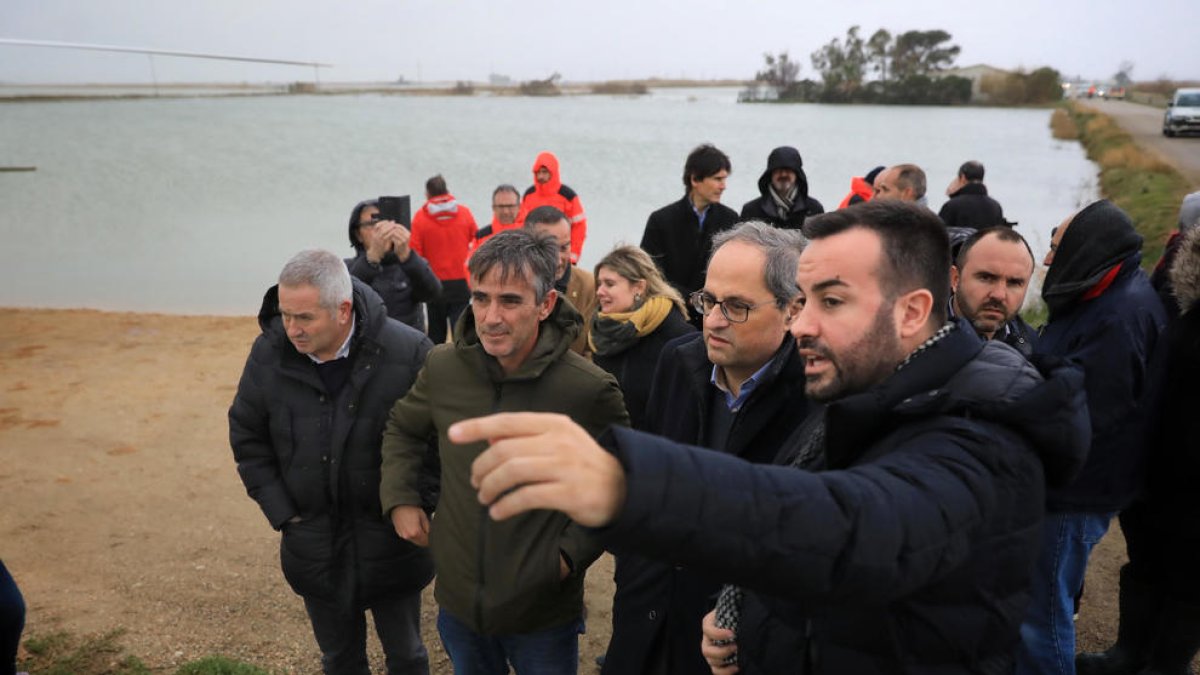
[[785, 157], [550, 187], [555, 335], [369, 312], [1185, 271], [441, 207], [355, 215], [1043, 401], [1098, 238]]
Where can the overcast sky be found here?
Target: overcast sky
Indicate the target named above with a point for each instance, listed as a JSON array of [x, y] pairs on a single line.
[[381, 40]]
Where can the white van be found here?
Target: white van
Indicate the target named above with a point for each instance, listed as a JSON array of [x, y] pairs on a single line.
[[1183, 113]]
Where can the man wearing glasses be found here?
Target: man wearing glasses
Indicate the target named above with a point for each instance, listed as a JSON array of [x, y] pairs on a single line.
[[738, 388]]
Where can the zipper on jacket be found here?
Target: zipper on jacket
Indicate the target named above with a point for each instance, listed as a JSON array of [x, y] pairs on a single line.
[[481, 558]]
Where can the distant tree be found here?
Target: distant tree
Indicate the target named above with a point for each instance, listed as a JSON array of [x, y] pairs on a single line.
[[780, 72], [841, 65], [1043, 85], [1123, 77], [879, 53], [919, 52]]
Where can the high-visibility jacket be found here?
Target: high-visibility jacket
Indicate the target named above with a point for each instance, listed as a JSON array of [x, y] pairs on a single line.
[[562, 197]]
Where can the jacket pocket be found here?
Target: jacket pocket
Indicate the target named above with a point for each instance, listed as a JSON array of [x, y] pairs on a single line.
[[306, 555], [387, 563]]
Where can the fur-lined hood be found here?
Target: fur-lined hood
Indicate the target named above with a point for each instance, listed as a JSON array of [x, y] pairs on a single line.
[[1185, 271]]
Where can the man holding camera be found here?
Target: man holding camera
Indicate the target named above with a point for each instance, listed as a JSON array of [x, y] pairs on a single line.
[[385, 261]]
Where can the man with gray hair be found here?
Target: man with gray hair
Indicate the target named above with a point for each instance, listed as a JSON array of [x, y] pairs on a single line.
[[305, 427], [736, 388], [511, 593]]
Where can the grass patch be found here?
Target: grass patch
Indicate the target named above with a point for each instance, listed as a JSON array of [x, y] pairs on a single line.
[[1035, 313], [219, 665], [1140, 182], [1062, 125], [64, 654]]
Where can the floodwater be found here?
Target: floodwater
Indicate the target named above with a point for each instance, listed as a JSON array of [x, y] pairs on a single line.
[[192, 205]]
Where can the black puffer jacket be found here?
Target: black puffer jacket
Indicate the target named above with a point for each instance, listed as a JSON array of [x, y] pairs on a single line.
[[301, 452], [765, 209], [656, 600], [402, 285], [911, 552], [970, 207]]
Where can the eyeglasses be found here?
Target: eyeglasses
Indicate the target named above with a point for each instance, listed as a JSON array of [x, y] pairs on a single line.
[[735, 311], [370, 222], [505, 206]]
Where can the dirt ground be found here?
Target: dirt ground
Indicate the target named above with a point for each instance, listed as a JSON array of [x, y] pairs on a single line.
[[120, 505]]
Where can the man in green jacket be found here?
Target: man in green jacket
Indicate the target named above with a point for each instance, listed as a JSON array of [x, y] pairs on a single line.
[[511, 593]]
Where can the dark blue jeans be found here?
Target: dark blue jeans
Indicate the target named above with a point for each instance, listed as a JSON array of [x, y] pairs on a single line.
[[1048, 634], [553, 651], [12, 621], [342, 636]]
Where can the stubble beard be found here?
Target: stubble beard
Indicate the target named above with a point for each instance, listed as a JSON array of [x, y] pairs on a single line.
[[869, 361]]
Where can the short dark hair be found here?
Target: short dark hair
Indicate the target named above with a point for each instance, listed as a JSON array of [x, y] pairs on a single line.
[[532, 255], [436, 186], [972, 171], [505, 187], [1002, 232], [910, 176], [545, 215], [916, 250], [706, 160]]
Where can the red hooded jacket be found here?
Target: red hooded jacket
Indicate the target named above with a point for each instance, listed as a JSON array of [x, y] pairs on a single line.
[[859, 187], [562, 197], [441, 232]]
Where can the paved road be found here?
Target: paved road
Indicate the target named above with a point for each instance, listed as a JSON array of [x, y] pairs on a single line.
[[1144, 123]]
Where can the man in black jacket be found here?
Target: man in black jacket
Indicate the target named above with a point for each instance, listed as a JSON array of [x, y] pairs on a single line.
[[901, 534], [679, 235], [306, 427], [969, 205], [784, 200], [989, 280], [737, 388]]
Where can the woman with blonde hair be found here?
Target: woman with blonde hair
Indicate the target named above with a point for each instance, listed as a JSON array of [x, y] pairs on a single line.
[[639, 312]]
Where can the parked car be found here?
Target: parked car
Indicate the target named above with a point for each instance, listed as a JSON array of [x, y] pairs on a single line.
[[1115, 92], [1183, 113]]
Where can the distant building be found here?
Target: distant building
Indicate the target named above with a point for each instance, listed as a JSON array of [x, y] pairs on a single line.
[[497, 80], [758, 91], [976, 74]]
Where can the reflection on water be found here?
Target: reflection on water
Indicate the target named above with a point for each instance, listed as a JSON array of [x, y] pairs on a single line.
[[193, 205]]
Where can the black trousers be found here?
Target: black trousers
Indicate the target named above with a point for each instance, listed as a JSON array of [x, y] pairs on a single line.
[[342, 635], [443, 311], [12, 621]]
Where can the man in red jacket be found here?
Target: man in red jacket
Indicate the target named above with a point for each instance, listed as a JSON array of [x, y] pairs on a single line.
[[442, 230], [548, 190]]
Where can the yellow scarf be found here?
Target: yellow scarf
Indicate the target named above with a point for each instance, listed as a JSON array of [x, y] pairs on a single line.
[[645, 319]]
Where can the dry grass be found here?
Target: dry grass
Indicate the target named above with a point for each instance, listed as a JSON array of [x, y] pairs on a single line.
[[1134, 158], [1063, 126]]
